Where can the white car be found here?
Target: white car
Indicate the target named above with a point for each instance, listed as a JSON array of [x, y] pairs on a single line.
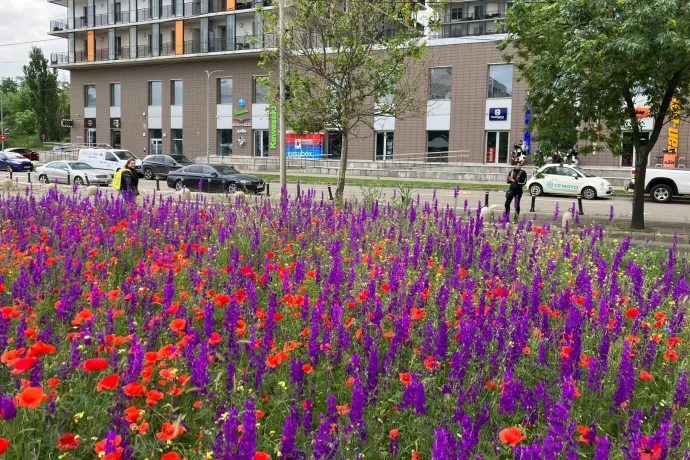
[[79, 173], [568, 180], [662, 184], [109, 159]]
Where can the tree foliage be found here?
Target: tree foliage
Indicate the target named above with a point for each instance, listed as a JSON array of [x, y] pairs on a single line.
[[341, 60], [43, 87], [589, 63]]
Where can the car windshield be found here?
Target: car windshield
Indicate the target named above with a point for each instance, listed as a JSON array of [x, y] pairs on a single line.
[[124, 155], [226, 170], [80, 165], [181, 159], [584, 173]]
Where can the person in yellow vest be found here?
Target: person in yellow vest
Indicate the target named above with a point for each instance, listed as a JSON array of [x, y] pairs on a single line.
[[129, 182]]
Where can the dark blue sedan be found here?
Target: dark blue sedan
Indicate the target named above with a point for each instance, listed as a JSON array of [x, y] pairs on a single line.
[[14, 162]]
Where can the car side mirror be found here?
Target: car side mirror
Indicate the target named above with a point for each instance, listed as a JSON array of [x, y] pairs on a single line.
[[575, 176], [214, 174]]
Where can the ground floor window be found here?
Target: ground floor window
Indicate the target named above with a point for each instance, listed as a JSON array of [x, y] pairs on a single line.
[[384, 145], [497, 146], [116, 138], [437, 146], [261, 143], [156, 139], [225, 142], [176, 135], [335, 145], [90, 136], [629, 156]]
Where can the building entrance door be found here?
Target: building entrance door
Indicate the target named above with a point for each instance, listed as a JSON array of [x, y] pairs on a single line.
[[261, 143], [497, 146]]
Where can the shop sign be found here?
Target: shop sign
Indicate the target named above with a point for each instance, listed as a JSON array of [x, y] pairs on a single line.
[[642, 112], [242, 122], [274, 129], [528, 135], [67, 123], [241, 131], [490, 155], [241, 142], [115, 123], [240, 112], [90, 122], [673, 139], [500, 114]]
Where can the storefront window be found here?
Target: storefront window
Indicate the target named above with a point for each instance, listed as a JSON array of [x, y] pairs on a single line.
[[500, 81], [497, 146], [90, 136], [225, 142], [116, 138], [384, 145], [437, 146], [440, 81], [261, 143], [177, 142]]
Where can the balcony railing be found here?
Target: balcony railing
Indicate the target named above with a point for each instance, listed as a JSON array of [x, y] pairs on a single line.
[[245, 42], [190, 9]]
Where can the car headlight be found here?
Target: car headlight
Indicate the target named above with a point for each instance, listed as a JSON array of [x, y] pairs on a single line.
[[244, 182]]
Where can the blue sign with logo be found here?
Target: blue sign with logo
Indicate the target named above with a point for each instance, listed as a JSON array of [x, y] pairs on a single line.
[[528, 136], [241, 103], [498, 114]]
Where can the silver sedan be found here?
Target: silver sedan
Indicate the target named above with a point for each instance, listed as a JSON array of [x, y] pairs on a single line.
[[73, 172]]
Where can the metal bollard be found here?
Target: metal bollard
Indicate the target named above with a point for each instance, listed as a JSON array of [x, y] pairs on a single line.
[[10, 173], [69, 180], [330, 193], [534, 198], [158, 183], [29, 176], [268, 189], [579, 205], [299, 192], [486, 198], [209, 185], [86, 176]]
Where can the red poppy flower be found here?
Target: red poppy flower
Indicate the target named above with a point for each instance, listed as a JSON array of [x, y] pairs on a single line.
[[394, 433], [671, 355], [10, 357], [215, 338], [178, 324], [429, 362], [171, 456], [31, 397], [53, 382], [133, 414], [134, 389], [417, 314], [221, 300], [584, 431], [343, 410], [4, 443], [672, 342], [40, 349], [307, 368], [385, 287], [108, 383], [632, 313], [95, 364], [23, 365], [153, 397], [261, 456], [68, 441], [644, 375], [170, 431], [350, 382], [113, 295], [405, 378], [100, 445], [512, 436]]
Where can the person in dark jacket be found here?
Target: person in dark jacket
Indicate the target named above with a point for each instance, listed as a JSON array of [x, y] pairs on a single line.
[[517, 178], [129, 186]]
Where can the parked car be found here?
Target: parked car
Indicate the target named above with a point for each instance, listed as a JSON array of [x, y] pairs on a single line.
[[568, 180], [14, 162], [215, 178], [109, 159], [26, 153], [662, 184], [79, 172], [162, 165]]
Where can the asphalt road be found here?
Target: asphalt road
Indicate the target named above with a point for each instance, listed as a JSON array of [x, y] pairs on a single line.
[[676, 212]]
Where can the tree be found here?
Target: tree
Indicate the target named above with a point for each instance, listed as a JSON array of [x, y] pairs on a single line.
[[347, 64], [589, 64], [9, 85], [43, 87]]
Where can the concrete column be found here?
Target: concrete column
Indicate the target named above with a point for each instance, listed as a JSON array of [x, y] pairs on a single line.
[[155, 39]]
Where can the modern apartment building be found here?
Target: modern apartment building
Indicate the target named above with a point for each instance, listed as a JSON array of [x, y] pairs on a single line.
[[174, 76]]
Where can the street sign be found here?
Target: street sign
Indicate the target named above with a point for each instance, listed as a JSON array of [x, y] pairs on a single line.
[[6, 131], [3, 138], [43, 137]]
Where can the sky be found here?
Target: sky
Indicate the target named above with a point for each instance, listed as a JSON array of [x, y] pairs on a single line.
[[23, 21]]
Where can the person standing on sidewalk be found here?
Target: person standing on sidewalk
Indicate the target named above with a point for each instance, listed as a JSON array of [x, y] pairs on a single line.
[[517, 178], [129, 187]]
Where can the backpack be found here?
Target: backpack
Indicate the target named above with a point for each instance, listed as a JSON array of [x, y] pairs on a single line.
[[117, 179]]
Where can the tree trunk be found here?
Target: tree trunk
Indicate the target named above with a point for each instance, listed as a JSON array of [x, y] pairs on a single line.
[[340, 188], [637, 221]]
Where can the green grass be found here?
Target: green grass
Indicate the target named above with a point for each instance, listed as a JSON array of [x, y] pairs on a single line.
[[383, 182]]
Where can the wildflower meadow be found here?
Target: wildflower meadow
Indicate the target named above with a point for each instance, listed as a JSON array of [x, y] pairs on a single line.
[[293, 328]]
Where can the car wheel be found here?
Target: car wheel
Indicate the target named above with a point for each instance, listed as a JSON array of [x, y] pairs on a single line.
[[661, 193], [179, 185], [148, 174], [78, 180], [43, 179], [232, 188], [588, 193], [535, 189]]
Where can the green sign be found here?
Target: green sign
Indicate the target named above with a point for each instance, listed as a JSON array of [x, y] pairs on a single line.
[[274, 128], [241, 112]]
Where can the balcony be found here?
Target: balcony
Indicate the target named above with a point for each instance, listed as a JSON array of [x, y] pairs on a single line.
[[245, 42], [190, 9]]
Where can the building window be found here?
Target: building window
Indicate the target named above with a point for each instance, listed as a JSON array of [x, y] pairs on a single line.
[[384, 145], [456, 14], [176, 92], [115, 94], [260, 91], [224, 91], [225, 142], [440, 79], [90, 96], [155, 93], [437, 146], [497, 146], [90, 136], [261, 143], [500, 81], [176, 135], [116, 138]]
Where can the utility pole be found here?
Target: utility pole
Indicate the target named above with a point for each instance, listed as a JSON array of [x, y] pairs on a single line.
[[2, 119], [283, 154], [208, 82]]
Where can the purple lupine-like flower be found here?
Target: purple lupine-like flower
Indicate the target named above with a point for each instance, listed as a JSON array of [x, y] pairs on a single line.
[[682, 395], [8, 410], [288, 441], [611, 215], [556, 213], [414, 396], [445, 446], [247, 445]]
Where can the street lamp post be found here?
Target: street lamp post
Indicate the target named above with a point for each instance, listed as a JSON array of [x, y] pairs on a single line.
[[283, 154], [2, 120], [208, 82]]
